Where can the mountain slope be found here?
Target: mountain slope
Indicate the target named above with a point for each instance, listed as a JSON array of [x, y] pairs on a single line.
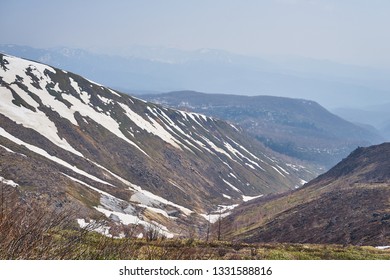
[[68, 140], [347, 205], [295, 127]]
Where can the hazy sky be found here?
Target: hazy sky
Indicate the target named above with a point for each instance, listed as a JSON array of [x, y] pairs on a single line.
[[349, 31]]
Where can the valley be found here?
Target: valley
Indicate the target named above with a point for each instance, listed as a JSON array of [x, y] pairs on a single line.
[[99, 165], [298, 128], [134, 162], [349, 204]]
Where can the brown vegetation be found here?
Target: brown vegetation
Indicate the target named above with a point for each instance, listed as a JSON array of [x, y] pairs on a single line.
[[29, 230], [347, 205]]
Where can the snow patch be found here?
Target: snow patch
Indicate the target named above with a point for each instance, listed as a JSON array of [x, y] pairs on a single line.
[[12, 152], [382, 247], [85, 96], [37, 121], [125, 219], [50, 157], [8, 182], [222, 212], [216, 148], [293, 166], [278, 171], [246, 198], [105, 100], [230, 185], [115, 93], [149, 199], [251, 166], [241, 156], [150, 126], [283, 170], [128, 219], [15, 64], [94, 226], [234, 127], [106, 121], [172, 126], [89, 186]]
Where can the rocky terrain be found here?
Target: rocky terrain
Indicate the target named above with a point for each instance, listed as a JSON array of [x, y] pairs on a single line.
[[349, 204], [71, 143]]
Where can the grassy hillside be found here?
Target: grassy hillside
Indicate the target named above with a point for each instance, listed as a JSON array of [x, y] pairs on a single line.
[[347, 205], [30, 231]]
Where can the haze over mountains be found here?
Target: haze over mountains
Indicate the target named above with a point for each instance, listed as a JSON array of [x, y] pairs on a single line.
[[146, 69], [378, 116]]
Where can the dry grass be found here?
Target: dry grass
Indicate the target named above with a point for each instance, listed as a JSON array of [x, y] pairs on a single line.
[[36, 231]]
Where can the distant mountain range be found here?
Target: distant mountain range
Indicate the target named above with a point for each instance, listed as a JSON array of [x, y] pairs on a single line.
[[141, 69], [298, 128], [347, 205], [378, 116], [68, 142]]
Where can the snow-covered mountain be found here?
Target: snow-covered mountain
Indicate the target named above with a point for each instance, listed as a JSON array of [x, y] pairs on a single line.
[[67, 141]]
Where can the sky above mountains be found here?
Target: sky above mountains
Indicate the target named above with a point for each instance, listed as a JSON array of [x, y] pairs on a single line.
[[348, 31]]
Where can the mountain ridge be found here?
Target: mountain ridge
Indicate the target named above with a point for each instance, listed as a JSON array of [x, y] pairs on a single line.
[[346, 205], [162, 70], [132, 161], [296, 127]]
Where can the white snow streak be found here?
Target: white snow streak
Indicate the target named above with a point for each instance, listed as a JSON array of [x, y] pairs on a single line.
[[8, 182], [150, 126], [230, 185], [128, 219], [247, 198], [37, 121], [106, 121], [382, 247], [8, 150], [89, 186], [221, 212], [50, 157], [149, 199], [278, 171]]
